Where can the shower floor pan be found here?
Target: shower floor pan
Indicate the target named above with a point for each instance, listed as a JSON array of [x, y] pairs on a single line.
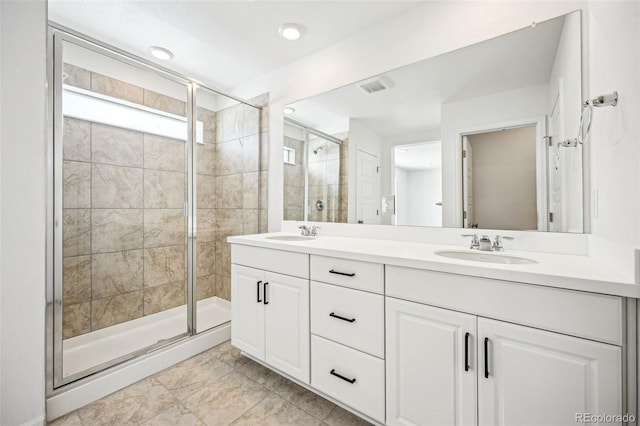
[[89, 350]]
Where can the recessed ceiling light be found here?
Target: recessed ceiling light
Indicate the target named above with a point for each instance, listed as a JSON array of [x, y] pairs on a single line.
[[290, 31], [161, 53], [289, 110]]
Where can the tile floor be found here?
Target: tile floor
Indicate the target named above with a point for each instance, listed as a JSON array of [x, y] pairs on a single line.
[[216, 387]]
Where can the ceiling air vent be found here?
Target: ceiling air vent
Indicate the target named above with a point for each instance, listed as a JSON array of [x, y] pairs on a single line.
[[376, 84]]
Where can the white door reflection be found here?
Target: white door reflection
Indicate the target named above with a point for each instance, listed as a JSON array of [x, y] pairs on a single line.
[[418, 184]]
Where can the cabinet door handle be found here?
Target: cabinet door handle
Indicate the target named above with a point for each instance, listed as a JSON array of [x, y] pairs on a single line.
[[486, 357], [353, 274], [466, 351], [333, 372], [258, 291], [341, 318], [265, 293]]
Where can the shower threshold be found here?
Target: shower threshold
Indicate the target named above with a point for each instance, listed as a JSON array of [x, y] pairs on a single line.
[[83, 352]]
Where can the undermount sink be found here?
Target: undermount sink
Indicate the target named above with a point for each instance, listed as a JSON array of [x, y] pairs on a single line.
[[485, 257], [290, 238]]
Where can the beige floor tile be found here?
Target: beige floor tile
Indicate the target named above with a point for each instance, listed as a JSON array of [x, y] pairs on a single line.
[[275, 410], [229, 354], [313, 404], [174, 416], [71, 419], [226, 399], [189, 376], [341, 417], [262, 375], [133, 405]]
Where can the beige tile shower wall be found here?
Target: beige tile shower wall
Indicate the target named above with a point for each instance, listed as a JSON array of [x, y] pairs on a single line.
[[344, 164], [294, 182], [327, 181], [124, 231], [240, 182]]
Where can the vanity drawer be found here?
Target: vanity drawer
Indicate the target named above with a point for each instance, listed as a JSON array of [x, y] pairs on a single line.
[[589, 315], [352, 317], [362, 384], [348, 273], [280, 261]]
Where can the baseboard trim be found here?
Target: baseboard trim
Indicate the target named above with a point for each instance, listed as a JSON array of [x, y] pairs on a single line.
[[131, 372], [38, 421]]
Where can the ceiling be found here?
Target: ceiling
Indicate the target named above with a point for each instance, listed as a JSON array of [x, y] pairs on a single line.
[[419, 156], [222, 43], [413, 102]]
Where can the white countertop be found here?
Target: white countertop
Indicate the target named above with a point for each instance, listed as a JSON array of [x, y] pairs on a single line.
[[552, 270]]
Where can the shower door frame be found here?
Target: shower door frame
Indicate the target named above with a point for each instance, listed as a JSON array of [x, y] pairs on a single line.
[[57, 35]]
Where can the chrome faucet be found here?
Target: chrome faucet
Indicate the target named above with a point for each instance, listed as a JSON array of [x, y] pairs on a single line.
[[304, 230], [485, 243], [309, 231], [497, 243]]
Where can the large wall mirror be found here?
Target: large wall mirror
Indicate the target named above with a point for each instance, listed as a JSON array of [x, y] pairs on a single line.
[[471, 138]]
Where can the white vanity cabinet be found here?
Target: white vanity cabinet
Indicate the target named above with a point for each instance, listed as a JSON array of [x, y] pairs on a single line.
[[531, 376], [408, 346], [270, 315], [347, 326], [431, 365], [437, 358]]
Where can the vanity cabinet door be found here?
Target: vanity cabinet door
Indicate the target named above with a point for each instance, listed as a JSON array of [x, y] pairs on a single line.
[[287, 319], [431, 378], [247, 313], [536, 377]]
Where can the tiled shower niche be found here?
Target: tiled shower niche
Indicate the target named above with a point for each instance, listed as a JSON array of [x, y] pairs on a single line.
[[124, 229]]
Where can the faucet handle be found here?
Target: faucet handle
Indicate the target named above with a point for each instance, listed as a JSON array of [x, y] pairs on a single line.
[[314, 230], [497, 243], [474, 240]]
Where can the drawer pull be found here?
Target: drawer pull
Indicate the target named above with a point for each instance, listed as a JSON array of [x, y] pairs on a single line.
[[333, 372], [341, 318], [466, 351], [353, 274], [258, 290], [265, 293]]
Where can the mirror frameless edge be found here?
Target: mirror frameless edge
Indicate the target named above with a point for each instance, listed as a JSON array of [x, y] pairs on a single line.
[[529, 78]]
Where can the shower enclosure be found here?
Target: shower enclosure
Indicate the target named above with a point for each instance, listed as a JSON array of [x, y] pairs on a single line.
[[149, 173], [315, 186]]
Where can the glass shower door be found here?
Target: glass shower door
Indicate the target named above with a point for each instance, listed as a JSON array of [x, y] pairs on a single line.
[[120, 208], [228, 186]]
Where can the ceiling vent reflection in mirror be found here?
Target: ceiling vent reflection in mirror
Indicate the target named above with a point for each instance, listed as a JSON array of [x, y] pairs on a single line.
[[375, 84]]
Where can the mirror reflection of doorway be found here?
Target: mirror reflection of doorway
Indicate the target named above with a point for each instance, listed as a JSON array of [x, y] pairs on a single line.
[[495, 164], [418, 184]]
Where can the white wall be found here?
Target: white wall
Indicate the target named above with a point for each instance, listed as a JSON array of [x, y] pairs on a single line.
[[376, 50], [614, 64], [22, 209], [387, 161], [402, 198], [360, 138]]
